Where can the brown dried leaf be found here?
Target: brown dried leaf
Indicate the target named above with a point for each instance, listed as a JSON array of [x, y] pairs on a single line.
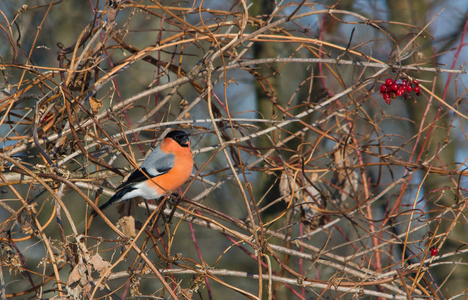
[[99, 264], [183, 105], [95, 104], [286, 182], [77, 280], [308, 202], [127, 223], [345, 178], [128, 208], [75, 276], [304, 199]]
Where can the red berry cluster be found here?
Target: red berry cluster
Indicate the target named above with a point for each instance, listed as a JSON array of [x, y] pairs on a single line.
[[400, 87]]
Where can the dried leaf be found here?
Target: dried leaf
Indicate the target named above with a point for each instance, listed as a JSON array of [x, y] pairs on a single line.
[[304, 200], [127, 223], [286, 182], [95, 104], [183, 105], [75, 276], [345, 178], [79, 277], [128, 208], [99, 264]]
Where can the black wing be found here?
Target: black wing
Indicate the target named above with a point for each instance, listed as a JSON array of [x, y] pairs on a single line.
[[140, 175]]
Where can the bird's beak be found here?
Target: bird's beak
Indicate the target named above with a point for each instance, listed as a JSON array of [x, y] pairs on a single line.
[[186, 140]]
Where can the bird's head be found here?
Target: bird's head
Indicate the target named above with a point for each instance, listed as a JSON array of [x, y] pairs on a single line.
[[181, 137]]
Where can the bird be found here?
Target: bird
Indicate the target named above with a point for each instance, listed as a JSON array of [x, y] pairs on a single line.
[[164, 170]]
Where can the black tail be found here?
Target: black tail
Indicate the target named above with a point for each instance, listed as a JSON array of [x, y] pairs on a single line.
[[113, 199]]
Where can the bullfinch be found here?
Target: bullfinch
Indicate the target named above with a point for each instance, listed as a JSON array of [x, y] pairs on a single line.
[[164, 170]]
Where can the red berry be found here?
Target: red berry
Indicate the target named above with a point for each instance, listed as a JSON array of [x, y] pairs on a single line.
[[415, 82], [386, 97], [434, 251], [417, 90], [388, 82], [407, 96], [395, 87], [383, 88], [409, 88], [400, 92]]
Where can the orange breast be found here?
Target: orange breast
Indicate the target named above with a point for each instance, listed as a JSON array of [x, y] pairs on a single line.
[[178, 175]]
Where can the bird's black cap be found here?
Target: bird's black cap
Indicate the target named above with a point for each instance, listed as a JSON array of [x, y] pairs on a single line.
[[181, 137]]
